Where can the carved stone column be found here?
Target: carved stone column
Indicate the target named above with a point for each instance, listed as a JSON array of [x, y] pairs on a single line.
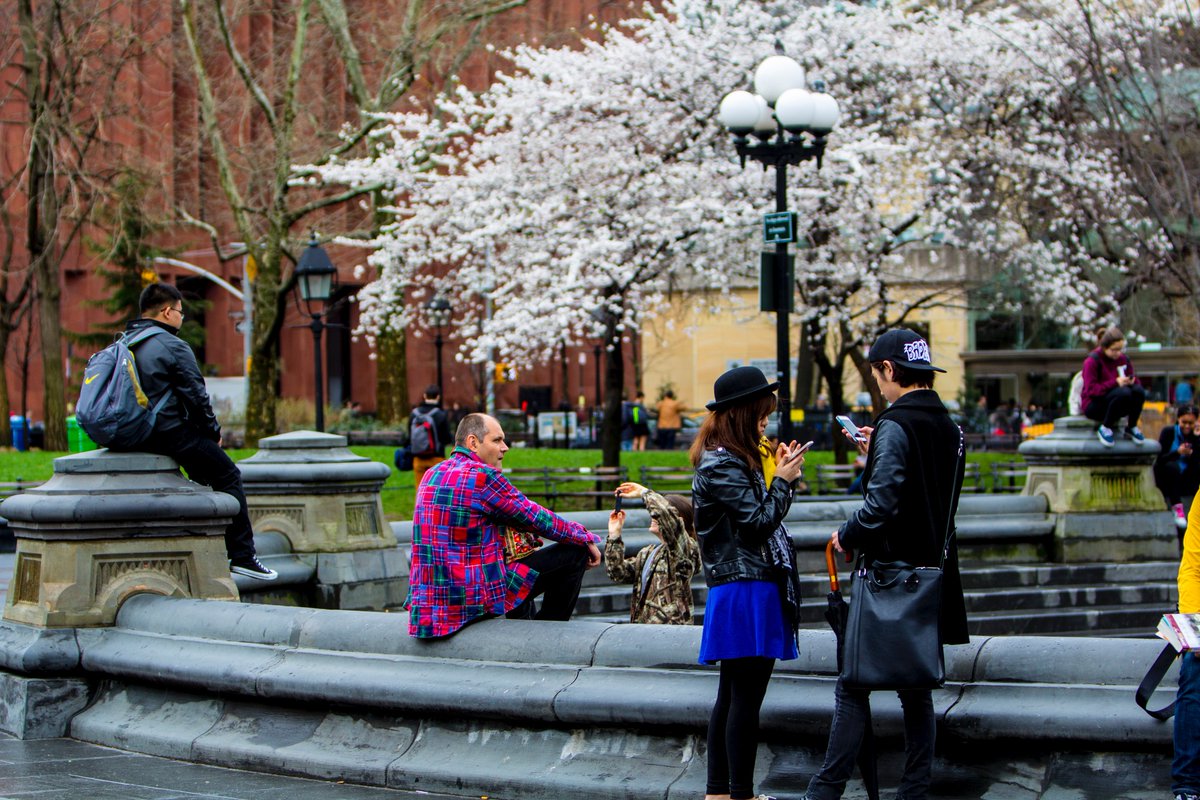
[[109, 525], [310, 488], [1107, 506]]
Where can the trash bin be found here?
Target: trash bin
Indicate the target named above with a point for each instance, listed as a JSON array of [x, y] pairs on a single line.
[[77, 439], [20, 434]]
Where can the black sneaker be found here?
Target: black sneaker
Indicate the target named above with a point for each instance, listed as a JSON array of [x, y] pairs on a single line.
[[251, 567]]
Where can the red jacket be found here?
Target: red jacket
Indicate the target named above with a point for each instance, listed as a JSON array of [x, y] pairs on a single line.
[[459, 572], [1100, 374]]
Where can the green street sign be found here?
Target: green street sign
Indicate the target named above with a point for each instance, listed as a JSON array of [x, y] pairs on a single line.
[[779, 227]]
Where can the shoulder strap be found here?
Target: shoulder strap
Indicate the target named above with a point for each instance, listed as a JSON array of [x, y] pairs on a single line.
[[1154, 676], [141, 336], [959, 458]]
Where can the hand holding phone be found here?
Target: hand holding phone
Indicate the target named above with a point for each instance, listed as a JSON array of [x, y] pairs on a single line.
[[851, 428]]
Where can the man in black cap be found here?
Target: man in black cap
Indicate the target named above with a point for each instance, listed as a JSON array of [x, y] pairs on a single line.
[[911, 484]]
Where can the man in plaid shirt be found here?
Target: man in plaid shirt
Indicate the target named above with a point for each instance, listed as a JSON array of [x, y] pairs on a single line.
[[475, 547]]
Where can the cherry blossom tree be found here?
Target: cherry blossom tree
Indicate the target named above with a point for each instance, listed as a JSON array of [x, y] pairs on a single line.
[[589, 183]]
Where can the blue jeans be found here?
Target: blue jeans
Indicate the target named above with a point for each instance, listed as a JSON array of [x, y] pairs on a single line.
[[1185, 769], [851, 716]]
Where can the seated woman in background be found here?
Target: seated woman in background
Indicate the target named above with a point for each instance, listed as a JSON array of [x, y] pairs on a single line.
[[1110, 390], [1177, 468]]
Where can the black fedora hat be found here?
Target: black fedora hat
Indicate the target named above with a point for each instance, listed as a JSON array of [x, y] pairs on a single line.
[[740, 385]]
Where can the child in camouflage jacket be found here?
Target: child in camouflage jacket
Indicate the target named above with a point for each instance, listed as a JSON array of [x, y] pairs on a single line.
[[661, 573]]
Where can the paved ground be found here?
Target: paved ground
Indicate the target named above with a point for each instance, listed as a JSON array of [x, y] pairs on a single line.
[[64, 769]]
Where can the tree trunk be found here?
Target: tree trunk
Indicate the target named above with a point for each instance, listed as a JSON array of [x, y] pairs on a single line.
[[391, 381], [264, 348], [802, 394]]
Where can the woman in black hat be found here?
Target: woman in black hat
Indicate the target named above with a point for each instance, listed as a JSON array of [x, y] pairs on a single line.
[[751, 615]]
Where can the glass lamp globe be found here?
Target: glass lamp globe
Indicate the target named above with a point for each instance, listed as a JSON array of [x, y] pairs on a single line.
[[795, 109], [739, 112], [777, 74], [825, 114]]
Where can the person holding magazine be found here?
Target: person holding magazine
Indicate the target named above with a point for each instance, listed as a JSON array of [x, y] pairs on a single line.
[[1185, 768]]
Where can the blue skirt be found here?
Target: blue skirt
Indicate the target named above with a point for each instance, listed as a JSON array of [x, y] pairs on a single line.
[[745, 618]]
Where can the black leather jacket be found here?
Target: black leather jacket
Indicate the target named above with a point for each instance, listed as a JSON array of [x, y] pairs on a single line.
[[735, 514], [167, 364]]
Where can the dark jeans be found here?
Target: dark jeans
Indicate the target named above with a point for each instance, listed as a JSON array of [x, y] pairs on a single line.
[[666, 438], [1176, 486], [1185, 769], [733, 726], [1123, 401], [851, 716], [206, 463], [560, 569]]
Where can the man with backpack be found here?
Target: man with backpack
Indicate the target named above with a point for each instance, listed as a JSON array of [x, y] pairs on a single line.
[[185, 427], [428, 433]]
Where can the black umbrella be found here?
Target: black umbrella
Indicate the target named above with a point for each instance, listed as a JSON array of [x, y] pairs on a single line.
[[835, 612]]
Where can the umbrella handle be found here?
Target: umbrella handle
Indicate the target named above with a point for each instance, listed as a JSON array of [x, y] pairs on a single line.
[[831, 566]]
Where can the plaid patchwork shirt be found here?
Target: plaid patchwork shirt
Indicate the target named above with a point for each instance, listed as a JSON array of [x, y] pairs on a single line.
[[459, 572]]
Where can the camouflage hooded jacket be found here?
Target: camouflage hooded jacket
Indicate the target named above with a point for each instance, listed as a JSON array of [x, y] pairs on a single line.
[[661, 574]]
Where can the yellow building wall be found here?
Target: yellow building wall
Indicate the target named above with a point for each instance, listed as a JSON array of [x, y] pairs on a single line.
[[689, 346]]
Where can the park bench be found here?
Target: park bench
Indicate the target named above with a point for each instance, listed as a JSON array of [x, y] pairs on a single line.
[[972, 478], [835, 478], [666, 480], [596, 483], [9, 488], [1008, 476]]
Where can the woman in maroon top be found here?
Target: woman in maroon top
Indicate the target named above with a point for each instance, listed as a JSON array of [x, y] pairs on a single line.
[[1110, 390]]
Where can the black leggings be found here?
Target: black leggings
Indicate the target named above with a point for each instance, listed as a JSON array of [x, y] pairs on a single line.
[[733, 726]]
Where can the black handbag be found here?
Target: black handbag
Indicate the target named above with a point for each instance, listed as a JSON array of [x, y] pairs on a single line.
[[893, 636]]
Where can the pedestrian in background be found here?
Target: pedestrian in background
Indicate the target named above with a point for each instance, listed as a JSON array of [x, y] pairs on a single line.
[[670, 420], [752, 613], [428, 433]]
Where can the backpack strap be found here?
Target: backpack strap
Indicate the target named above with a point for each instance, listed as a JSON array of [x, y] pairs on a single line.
[[1154, 676], [136, 339]]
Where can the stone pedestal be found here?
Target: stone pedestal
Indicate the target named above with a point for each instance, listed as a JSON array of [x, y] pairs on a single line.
[[109, 525], [1104, 498], [310, 488]]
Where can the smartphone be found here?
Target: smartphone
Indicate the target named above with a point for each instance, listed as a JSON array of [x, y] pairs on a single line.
[[851, 428], [1121, 370], [617, 505], [802, 449]]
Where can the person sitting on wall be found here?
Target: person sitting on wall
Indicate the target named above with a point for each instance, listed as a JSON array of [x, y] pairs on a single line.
[[476, 552], [1177, 467], [1110, 389]]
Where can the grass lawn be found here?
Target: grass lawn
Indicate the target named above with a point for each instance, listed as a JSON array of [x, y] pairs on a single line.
[[36, 466]]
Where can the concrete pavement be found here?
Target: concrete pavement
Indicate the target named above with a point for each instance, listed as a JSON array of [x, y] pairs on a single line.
[[64, 769]]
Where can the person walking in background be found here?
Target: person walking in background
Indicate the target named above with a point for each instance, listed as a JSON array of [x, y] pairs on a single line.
[[670, 420], [911, 481], [661, 573], [428, 433], [752, 613], [1177, 467], [186, 429], [1185, 392], [1185, 767], [1110, 389]]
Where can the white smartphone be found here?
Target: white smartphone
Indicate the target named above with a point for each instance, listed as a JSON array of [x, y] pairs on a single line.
[[851, 428], [801, 450], [1121, 370]]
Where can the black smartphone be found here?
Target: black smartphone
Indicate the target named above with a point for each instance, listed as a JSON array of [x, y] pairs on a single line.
[[617, 505]]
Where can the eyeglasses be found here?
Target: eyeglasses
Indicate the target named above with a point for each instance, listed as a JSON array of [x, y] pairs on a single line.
[[178, 311]]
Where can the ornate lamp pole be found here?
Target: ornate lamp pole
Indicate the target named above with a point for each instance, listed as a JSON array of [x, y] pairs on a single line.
[[789, 125], [315, 278], [440, 310]]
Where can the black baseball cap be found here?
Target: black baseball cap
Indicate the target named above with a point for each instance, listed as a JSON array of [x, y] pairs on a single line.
[[904, 348]]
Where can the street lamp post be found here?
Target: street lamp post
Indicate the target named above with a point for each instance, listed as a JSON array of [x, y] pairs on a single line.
[[789, 125], [439, 309], [599, 398], [315, 279]]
